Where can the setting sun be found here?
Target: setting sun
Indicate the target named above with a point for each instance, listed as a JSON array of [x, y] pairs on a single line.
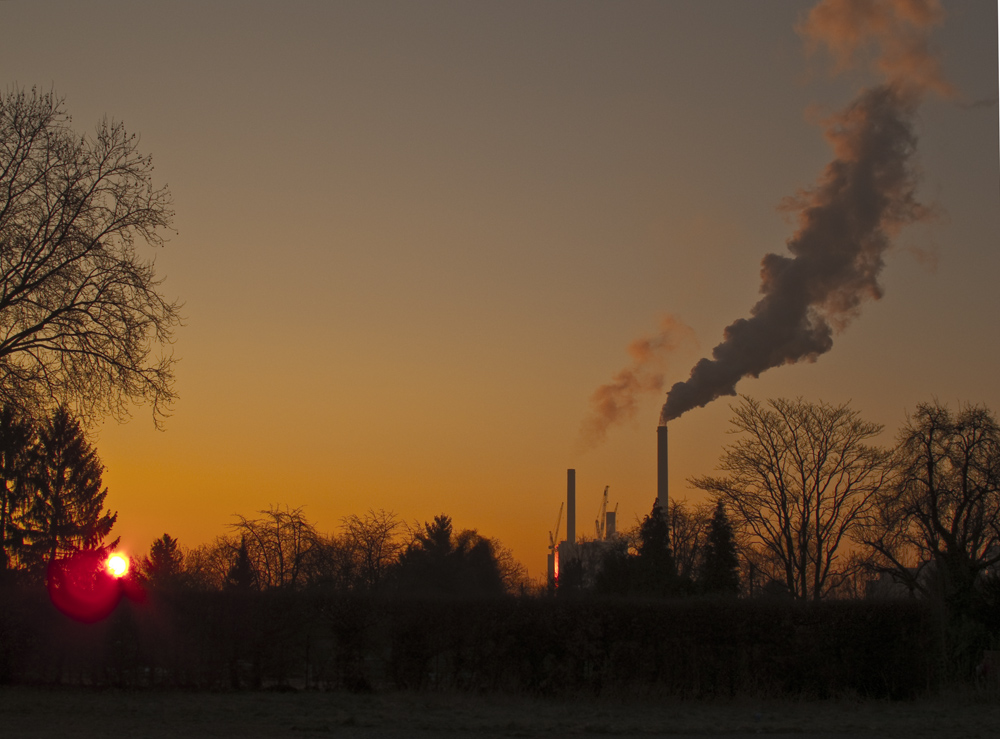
[[117, 565]]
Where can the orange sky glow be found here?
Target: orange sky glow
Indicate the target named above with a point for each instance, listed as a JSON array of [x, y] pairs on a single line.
[[413, 239]]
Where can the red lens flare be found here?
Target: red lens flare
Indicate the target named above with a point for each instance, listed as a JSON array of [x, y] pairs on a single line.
[[82, 586]]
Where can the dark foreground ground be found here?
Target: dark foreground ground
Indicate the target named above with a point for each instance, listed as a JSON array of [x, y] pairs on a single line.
[[61, 713]]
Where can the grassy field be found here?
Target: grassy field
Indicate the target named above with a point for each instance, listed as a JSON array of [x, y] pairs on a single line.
[[59, 713]]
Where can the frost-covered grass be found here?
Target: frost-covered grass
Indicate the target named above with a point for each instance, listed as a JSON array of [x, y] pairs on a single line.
[[43, 713]]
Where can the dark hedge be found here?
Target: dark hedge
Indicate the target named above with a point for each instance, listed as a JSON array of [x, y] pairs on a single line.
[[317, 640]]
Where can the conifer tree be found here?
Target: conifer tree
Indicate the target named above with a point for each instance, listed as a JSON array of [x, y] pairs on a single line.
[[655, 570], [442, 562], [66, 513], [241, 576], [720, 566], [165, 561]]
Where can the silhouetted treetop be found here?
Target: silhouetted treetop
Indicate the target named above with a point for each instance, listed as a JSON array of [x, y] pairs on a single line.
[[440, 562], [937, 527], [80, 311], [373, 542], [280, 544], [67, 512], [165, 563], [720, 567], [797, 483]]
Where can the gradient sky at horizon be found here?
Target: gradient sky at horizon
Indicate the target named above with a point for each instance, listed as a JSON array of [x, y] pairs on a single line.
[[413, 238]]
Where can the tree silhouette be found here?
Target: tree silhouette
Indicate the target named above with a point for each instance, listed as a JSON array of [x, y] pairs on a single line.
[[439, 562], [165, 562], [944, 505], [640, 562], [17, 455], [615, 574], [280, 544], [687, 537], [656, 573], [512, 573], [374, 542], [720, 567], [66, 513], [241, 576], [80, 310], [798, 484]]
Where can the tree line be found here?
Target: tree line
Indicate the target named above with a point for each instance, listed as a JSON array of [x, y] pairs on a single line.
[[52, 507], [820, 510], [375, 553]]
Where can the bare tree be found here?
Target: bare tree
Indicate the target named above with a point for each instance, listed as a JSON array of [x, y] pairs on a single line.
[[798, 482], [206, 566], [687, 536], [944, 507], [375, 541], [80, 311], [279, 544], [333, 563], [513, 574]]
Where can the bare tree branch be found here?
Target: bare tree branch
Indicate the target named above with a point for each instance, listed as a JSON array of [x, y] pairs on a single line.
[[81, 315], [944, 506], [798, 484]]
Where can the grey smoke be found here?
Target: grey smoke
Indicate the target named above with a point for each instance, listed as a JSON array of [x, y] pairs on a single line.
[[847, 220]]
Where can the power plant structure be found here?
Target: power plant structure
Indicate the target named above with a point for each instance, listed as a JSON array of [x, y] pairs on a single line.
[[590, 551], [605, 529]]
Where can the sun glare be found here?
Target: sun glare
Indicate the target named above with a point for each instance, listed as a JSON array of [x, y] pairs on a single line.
[[118, 565]]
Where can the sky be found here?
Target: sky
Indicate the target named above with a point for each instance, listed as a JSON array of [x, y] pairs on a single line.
[[412, 240]]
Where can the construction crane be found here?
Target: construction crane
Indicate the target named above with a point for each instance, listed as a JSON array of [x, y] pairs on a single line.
[[602, 515], [554, 538]]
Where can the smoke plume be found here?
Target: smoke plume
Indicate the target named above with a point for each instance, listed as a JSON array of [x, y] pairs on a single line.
[[847, 219], [618, 400]]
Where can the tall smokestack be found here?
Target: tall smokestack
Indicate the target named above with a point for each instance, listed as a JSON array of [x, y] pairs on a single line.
[[571, 506], [661, 466]]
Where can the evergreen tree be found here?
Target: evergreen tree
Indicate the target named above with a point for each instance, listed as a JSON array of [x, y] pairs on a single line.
[[66, 513], [165, 561], [616, 571], [655, 570], [438, 561], [720, 567], [241, 576]]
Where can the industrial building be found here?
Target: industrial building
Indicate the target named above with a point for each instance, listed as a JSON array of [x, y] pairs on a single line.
[[589, 551]]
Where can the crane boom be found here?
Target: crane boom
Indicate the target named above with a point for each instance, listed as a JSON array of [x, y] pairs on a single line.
[[554, 539], [599, 524]]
